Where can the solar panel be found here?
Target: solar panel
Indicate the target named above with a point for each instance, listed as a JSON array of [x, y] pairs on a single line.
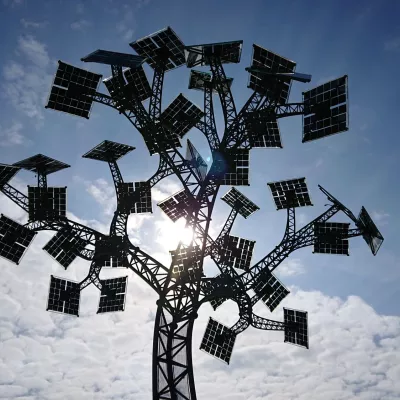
[[72, 90], [237, 167], [114, 58], [120, 92], [135, 197], [238, 201], [196, 161], [325, 110], [41, 164], [64, 246], [199, 80], [48, 203], [7, 172], [138, 80], [227, 52], [64, 296], [108, 151], [291, 193], [109, 252], [296, 327], [263, 132], [113, 293], [14, 239], [270, 289], [331, 238], [181, 116], [236, 252], [218, 340], [178, 205], [185, 262], [275, 88], [371, 233], [161, 138], [162, 44]]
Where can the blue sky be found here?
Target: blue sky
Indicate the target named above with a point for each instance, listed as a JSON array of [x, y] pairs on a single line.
[[360, 167]]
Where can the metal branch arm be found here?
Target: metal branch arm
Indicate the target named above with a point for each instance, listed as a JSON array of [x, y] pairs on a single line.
[[266, 324], [20, 199]]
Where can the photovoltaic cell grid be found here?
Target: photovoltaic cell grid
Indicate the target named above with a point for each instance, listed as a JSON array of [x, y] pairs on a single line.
[[64, 296], [178, 205], [7, 172], [41, 164], [162, 43], [113, 293], [331, 238], [198, 80], [236, 252], [186, 262], [196, 161], [296, 327], [135, 197], [218, 340], [109, 252], [291, 193], [371, 233], [238, 201], [238, 167], [270, 290], [276, 88], [138, 80], [163, 137], [181, 116], [64, 247], [227, 52], [108, 151], [119, 92], [72, 90], [47, 203], [14, 239], [263, 132], [113, 58], [325, 110]]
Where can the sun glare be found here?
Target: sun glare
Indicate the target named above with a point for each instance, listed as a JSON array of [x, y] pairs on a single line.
[[170, 233]]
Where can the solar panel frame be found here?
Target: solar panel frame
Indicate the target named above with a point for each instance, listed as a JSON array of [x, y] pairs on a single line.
[[49, 203], [113, 58], [196, 161], [64, 296], [238, 163], [374, 238], [177, 205], [326, 110], [138, 79], [113, 295], [108, 151], [185, 262], [135, 197], [15, 239], [263, 132], [294, 187], [296, 327], [238, 201], [41, 164], [110, 252], [212, 342], [7, 172], [273, 62], [236, 252], [331, 238]]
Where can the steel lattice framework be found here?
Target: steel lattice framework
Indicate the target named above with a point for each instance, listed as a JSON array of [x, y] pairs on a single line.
[[183, 287]]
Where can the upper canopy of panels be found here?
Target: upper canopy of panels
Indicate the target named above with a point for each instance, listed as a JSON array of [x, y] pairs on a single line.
[[41, 164], [114, 58], [108, 151]]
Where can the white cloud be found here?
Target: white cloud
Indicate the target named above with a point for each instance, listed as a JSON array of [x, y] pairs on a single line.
[[126, 26], [12, 136], [392, 44], [291, 267], [80, 8], [32, 24], [34, 51], [380, 217], [81, 25]]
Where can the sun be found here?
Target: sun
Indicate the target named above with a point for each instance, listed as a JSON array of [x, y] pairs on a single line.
[[169, 234]]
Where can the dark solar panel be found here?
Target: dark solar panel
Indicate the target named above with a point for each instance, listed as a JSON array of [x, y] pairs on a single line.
[[165, 44], [237, 167], [236, 252], [331, 238], [178, 205], [296, 327], [64, 247], [110, 253], [42, 164], [47, 203], [162, 138], [72, 90], [196, 161], [14, 239], [113, 58], [263, 132], [138, 80], [7, 172], [270, 289], [209, 287], [199, 80], [119, 92], [325, 110], [135, 197], [64, 296], [291, 193], [108, 151], [218, 340], [274, 88], [185, 262], [227, 52], [244, 206], [113, 293], [371, 233], [181, 116]]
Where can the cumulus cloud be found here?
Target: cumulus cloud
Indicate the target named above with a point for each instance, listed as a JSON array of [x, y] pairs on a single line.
[[12, 136], [81, 25], [32, 24], [380, 217], [291, 267]]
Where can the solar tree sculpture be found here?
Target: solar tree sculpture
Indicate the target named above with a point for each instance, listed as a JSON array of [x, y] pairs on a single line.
[[183, 287]]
